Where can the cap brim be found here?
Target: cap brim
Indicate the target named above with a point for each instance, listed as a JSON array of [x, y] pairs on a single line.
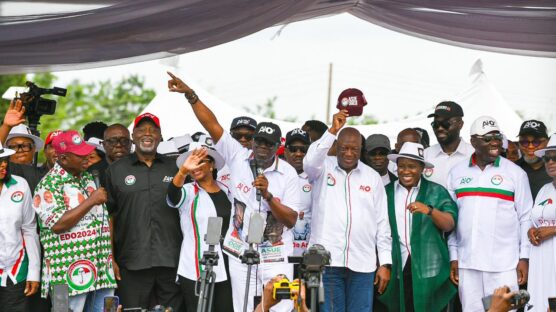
[[394, 158], [541, 152], [261, 136], [7, 152], [146, 117], [39, 144], [218, 159], [370, 148], [82, 150], [533, 133]]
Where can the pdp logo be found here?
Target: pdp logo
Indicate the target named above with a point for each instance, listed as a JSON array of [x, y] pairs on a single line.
[[130, 180], [267, 130], [17, 197], [349, 101], [76, 139], [496, 180], [330, 180], [489, 123], [428, 172], [307, 188], [81, 275]]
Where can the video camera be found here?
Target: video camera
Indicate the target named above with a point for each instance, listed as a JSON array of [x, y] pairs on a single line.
[[284, 289], [518, 301], [36, 105]]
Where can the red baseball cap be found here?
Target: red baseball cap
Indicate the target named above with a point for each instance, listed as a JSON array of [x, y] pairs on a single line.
[[150, 116], [51, 136], [71, 142], [353, 100]]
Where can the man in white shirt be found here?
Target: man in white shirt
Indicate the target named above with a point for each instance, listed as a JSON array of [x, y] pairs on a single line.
[[451, 148], [349, 219], [274, 194], [490, 247]]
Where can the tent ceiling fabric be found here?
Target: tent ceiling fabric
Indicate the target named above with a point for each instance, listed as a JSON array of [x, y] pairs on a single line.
[[139, 30]]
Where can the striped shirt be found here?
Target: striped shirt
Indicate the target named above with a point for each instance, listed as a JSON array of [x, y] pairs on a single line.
[[494, 207]]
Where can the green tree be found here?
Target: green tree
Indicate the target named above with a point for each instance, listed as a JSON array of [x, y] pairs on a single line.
[[362, 120]]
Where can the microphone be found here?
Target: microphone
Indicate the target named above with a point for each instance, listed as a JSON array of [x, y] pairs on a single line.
[[256, 229], [256, 171], [214, 231], [95, 174]]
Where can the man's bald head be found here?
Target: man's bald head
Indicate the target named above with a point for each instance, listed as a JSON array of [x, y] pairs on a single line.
[[348, 148], [407, 135]]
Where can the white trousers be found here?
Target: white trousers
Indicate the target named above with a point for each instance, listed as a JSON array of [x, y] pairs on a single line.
[[474, 285], [259, 276]]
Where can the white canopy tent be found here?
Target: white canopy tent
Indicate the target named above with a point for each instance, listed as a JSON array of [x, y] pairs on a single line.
[[480, 98]]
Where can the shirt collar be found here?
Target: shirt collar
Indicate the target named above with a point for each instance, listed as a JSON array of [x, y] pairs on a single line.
[[473, 161], [10, 182], [303, 175], [135, 160], [460, 149], [398, 185], [276, 166], [359, 164]]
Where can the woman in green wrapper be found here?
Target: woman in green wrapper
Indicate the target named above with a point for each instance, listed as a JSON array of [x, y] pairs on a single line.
[[420, 213]]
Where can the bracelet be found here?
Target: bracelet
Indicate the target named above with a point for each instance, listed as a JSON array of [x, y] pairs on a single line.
[[191, 97], [430, 210], [270, 197]]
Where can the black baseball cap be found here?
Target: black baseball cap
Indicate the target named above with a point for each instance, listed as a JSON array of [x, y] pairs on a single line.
[[268, 131], [244, 121], [533, 127], [447, 109], [297, 134]]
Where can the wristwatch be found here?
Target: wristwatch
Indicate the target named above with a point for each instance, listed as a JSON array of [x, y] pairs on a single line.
[[269, 197], [191, 97], [430, 210]]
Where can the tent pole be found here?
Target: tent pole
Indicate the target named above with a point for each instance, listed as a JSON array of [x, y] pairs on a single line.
[[329, 93]]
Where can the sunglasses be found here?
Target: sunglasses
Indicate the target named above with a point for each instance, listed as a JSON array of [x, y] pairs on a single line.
[[239, 135], [535, 142], [27, 147], [115, 141], [491, 137], [298, 148], [444, 124], [547, 158]]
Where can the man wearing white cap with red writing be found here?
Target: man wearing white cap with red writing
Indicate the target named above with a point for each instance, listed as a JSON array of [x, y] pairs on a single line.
[[490, 247]]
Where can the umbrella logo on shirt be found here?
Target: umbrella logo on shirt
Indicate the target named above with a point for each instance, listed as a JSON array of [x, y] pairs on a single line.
[[307, 188], [17, 197], [110, 270], [330, 180], [130, 180], [496, 180], [546, 202], [81, 275], [428, 172]]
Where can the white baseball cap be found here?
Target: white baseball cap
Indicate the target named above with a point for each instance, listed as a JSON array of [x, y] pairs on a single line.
[[550, 146], [5, 152], [484, 125], [24, 131], [218, 159]]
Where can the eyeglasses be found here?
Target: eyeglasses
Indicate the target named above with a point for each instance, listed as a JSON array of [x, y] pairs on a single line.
[[547, 158], [535, 142], [261, 142], [239, 135], [26, 147], [444, 124], [298, 148], [114, 141], [491, 137]]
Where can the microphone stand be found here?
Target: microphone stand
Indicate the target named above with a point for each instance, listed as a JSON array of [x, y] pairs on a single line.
[[250, 257], [208, 278]]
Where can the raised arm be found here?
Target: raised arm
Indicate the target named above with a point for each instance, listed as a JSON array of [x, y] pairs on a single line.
[[205, 116], [15, 115]]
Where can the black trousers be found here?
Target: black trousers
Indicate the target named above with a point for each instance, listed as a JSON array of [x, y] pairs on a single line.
[[12, 298], [137, 287], [222, 298]]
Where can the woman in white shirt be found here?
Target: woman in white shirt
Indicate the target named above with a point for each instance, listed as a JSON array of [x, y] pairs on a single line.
[[542, 259], [197, 201], [19, 241]]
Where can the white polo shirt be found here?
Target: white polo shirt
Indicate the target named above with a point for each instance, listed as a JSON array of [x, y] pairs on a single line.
[[443, 162], [195, 207], [18, 223], [350, 215], [494, 208], [302, 228], [282, 183], [404, 218]]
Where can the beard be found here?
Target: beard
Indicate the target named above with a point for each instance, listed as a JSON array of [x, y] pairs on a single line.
[[531, 159]]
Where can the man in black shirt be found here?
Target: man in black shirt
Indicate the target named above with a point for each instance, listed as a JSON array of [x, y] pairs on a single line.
[[533, 137], [147, 234]]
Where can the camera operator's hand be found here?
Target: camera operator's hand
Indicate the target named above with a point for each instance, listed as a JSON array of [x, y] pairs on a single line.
[[99, 197], [268, 300], [501, 300], [382, 278], [15, 115], [454, 272], [302, 306], [177, 85]]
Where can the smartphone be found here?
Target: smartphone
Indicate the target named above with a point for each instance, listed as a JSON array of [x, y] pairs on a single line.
[[111, 303], [60, 298], [552, 304]]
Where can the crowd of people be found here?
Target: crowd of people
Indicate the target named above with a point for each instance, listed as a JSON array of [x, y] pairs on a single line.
[[409, 228]]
